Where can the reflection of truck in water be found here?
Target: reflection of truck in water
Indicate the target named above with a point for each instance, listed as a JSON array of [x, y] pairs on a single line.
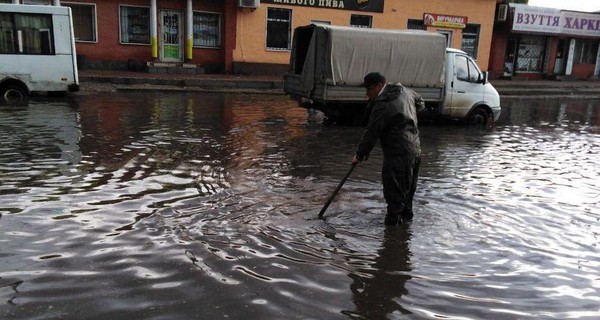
[[328, 63], [37, 51]]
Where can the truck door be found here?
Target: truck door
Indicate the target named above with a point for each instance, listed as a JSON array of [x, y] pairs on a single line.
[[467, 88]]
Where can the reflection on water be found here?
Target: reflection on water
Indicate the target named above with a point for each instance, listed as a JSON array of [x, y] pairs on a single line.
[[179, 206]]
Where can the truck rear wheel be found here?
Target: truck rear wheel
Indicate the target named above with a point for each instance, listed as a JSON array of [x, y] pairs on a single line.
[[478, 118], [12, 94]]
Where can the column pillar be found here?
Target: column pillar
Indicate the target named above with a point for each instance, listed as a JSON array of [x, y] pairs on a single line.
[[597, 69], [569, 68], [189, 31], [154, 29]]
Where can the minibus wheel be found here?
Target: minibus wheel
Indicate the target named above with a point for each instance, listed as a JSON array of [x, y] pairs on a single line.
[[12, 94]]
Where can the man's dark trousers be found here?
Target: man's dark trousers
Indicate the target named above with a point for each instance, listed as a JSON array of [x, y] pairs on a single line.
[[399, 177]]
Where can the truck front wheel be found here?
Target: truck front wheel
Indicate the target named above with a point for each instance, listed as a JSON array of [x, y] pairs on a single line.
[[12, 94], [478, 117]]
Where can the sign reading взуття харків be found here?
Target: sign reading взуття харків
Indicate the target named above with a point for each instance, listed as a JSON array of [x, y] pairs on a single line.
[[555, 21], [355, 5]]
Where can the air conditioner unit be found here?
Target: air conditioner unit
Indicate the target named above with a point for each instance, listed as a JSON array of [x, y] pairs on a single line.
[[253, 4], [502, 12]]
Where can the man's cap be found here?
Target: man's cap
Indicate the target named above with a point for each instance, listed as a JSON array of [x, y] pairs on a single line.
[[373, 78]]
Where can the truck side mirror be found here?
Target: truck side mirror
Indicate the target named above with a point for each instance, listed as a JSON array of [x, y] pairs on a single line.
[[483, 77]]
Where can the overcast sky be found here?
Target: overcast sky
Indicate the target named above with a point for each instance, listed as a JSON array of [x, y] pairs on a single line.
[[579, 5]]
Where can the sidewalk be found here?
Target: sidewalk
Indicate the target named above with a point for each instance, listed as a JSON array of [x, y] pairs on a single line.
[[110, 80]]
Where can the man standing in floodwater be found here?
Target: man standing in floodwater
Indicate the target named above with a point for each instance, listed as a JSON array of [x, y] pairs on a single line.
[[392, 119]]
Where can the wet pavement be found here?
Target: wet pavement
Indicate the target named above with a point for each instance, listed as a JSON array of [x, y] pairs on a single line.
[[187, 205]]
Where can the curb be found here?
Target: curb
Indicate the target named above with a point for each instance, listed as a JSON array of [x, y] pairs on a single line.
[[521, 89]]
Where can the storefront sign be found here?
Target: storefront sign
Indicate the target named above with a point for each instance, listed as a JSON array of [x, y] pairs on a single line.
[[554, 21], [440, 20], [354, 5]]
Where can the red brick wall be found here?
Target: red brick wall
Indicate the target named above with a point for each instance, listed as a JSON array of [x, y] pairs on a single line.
[[108, 47]]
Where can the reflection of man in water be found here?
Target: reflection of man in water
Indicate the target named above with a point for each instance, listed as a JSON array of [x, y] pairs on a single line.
[[379, 294]]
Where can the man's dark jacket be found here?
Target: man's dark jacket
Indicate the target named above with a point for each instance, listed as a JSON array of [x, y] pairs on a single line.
[[392, 120]]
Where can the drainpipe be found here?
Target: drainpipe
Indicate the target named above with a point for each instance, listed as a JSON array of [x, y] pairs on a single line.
[[56, 3], [189, 35], [153, 29]]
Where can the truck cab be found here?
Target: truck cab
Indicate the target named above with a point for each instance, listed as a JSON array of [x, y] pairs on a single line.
[[469, 95]]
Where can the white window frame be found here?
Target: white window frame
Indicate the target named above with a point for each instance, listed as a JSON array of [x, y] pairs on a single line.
[[289, 31], [38, 2], [449, 35], [325, 22], [95, 26], [120, 24], [220, 35], [361, 26]]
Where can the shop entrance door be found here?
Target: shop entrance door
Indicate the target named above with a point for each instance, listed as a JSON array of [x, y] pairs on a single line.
[[171, 44], [562, 50], [509, 57]]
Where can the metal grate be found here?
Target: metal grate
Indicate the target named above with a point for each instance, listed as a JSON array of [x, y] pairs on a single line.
[[530, 54]]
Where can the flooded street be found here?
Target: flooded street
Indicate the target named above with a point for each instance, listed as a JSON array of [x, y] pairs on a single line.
[[203, 206]]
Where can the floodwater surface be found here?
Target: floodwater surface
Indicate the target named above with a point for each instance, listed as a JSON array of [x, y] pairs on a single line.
[[203, 206]]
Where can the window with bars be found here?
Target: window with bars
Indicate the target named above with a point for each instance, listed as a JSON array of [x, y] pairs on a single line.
[[361, 21], [135, 25], [530, 53], [84, 21], [279, 23], [207, 29], [470, 40]]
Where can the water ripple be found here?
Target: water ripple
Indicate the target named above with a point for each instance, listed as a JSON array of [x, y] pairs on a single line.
[[176, 206]]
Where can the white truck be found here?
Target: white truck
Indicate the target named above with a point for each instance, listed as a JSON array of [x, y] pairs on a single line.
[[328, 63], [37, 51]]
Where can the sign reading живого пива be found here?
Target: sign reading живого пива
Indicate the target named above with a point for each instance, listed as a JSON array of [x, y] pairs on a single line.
[[355, 5]]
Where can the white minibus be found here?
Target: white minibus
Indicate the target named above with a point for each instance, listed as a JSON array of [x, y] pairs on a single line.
[[37, 51]]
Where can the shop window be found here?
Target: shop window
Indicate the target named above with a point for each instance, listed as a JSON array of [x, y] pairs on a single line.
[[361, 21], [26, 34], [207, 29], [5, 1], [530, 53], [416, 24], [466, 70], [586, 51], [135, 25], [84, 21], [279, 23], [470, 40]]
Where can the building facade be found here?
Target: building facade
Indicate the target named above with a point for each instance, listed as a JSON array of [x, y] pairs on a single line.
[[544, 43], [264, 32], [252, 36]]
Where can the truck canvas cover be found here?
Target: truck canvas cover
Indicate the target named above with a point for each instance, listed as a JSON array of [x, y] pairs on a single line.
[[341, 56]]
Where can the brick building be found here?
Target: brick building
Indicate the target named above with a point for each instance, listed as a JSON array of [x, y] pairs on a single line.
[[539, 43], [251, 36]]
